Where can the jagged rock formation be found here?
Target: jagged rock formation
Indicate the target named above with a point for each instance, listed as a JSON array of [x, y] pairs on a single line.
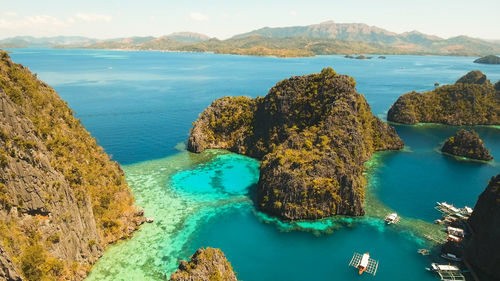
[[61, 198], [313, 134], [483, 250], [206, 264], [491, 59], [467, 144], [472, 100]]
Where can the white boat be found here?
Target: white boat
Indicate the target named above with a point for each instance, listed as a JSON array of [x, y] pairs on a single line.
[[443, 267], [453, 238], [467, 211], [447, 272], [364, 263], [456, 231], [448, 207], [392, 218], [451, 257]]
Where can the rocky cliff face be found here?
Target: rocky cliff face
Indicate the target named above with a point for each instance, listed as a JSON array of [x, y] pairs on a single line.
[[206, 264], [472, 100], [61, 198], [467, 144], [483, 250], [313, 134]]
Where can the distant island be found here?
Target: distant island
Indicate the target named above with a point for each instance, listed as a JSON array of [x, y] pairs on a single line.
[[297, 41], [359, 57], [313, 134], [491, 59], [467, 144], [472, 100]]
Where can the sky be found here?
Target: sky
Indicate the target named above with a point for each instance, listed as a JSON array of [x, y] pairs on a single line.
[[225, 18]]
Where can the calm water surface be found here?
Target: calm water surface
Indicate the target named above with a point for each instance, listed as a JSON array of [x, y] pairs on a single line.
[[140, 106]]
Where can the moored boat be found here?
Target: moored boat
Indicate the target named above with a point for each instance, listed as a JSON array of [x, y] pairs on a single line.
[[392, 218], [451, 257]]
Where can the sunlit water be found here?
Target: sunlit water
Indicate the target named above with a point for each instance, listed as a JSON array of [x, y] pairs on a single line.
[[140, 106]]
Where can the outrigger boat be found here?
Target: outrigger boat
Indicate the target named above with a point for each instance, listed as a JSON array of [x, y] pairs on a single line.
[[451, 257], [442, 267], [392, 218], [456, 231], [453, 238], [447, 272], [364, 263], [447, 208], [423, 252], [462, 213]]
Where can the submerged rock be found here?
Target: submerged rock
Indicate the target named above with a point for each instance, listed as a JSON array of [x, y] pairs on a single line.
[[205, 264], [491, 59], [313, 134], [472, 100], [467, 144], [62, 200], [483, 250]]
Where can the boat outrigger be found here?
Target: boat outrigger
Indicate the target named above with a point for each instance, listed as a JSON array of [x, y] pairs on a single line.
[[447, 272], [364, 263], [449, 209]]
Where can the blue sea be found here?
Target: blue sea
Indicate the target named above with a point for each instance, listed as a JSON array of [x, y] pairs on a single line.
[[140, 106]]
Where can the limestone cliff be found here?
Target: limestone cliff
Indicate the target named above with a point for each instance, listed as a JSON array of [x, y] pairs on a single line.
[[472, 100], [467, 144], [61, 198], [313, 134], [483, 250], [206, 264]]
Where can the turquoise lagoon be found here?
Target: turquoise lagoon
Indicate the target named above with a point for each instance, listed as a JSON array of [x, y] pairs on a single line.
[[140, 106]]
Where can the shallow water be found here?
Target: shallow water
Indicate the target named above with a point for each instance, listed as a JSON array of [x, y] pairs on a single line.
[[140, 106]]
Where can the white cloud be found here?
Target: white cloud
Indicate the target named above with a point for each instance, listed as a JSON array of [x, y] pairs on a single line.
[[152, 18], [196, 16], [38, 22], [44, 20], [93, 17], [10, 14], [293, 13]]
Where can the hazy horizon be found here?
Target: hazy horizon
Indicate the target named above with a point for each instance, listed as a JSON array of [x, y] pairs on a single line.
[[223, 18]]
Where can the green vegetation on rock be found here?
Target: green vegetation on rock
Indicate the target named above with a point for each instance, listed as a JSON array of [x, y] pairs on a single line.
[[313, 134], [467, 144], [59, 190], [472, 100], [206, 264]]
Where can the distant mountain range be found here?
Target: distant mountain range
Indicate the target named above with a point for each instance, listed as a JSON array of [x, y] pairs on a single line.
[[43, 42], [317, 39]]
